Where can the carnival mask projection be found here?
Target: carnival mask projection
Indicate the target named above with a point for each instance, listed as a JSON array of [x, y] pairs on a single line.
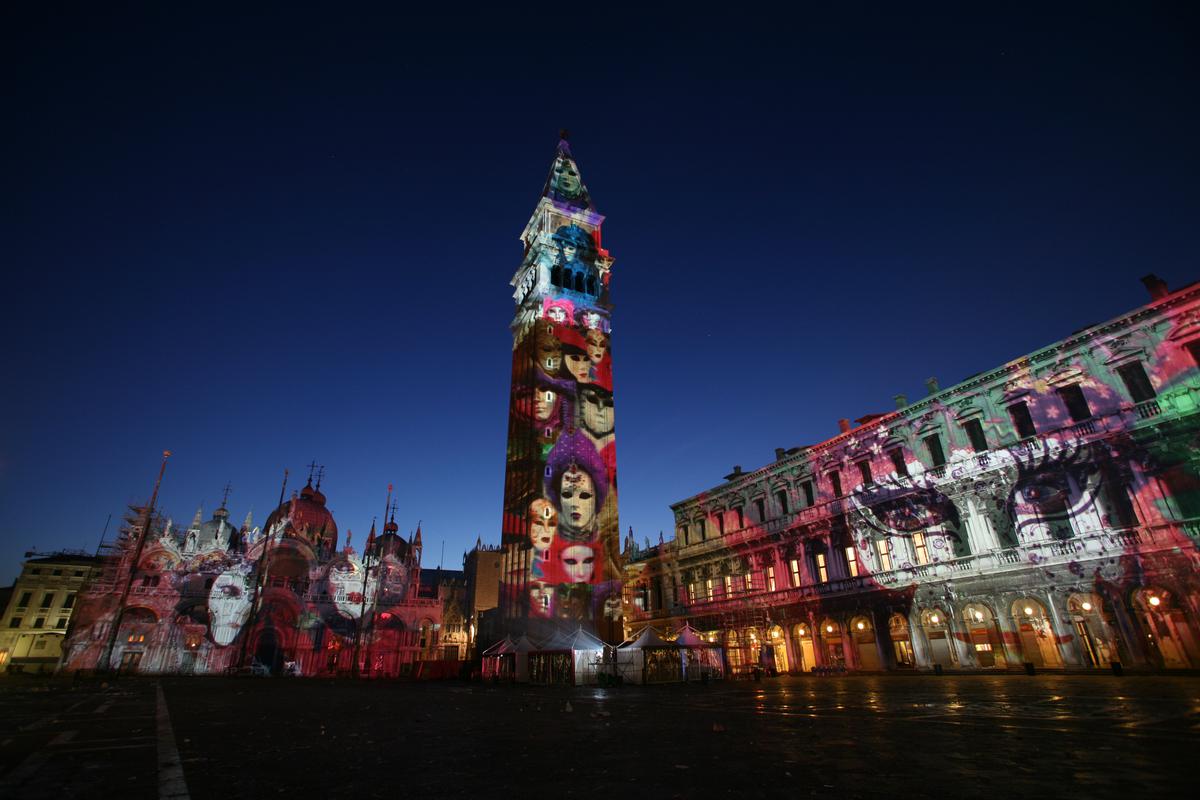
[[561, 528]]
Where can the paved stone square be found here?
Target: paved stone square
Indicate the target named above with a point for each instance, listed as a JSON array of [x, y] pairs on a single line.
[[857, 736]]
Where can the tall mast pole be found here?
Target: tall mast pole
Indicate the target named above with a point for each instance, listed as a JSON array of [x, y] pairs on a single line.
[[259, 577], [147, 517]]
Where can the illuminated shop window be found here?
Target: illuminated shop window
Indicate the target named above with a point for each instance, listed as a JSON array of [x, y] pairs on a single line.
[[864, 469], [770, 579], [975, 435], [885, 557], [794, 565], [822, 569], [1076, 403], [728, 585], [933, 443], [897, 457], [920, 551], [852, 561], [1140, 389], [781, 498], [809, 496], [1022, 420], [835, 480]]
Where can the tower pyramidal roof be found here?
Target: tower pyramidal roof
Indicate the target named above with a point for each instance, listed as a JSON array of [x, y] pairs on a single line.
[[564, 184]]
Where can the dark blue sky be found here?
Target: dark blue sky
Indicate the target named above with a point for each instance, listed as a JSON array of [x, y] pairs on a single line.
[[262, 240]]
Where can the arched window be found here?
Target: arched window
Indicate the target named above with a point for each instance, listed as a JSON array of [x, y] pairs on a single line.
[[579, 282], [556, 275]]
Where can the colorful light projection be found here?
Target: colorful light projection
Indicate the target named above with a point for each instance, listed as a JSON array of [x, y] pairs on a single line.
[[560, 534], [214, 599]]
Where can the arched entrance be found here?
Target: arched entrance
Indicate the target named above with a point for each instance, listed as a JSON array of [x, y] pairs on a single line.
[[862, 634], [1167, 629], [835, 648], [984, 636], [1096, 645], [733, 653], [803, 642], [935, 625], [777, 645], [901, 641], [1037, 636]]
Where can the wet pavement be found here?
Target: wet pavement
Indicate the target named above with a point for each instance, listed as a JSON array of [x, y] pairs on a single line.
[[851, 736]]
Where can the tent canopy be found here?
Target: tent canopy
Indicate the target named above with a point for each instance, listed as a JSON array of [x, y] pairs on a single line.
[[505, 645], [648, 638], [689, 638]]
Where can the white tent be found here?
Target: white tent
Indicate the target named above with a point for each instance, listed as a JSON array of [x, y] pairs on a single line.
[[568, 658], [650, 659], [499, 661], [701, 659], [521, 649]]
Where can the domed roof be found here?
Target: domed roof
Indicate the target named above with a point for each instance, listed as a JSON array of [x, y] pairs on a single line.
[[217, 529], [307, 517]]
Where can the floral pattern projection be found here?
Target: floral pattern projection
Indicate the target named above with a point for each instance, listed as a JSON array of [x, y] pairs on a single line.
[[197, 604], [562, 567], [1046, 513]]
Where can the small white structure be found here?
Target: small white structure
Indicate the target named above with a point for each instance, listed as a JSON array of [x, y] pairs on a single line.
[[651, 659], [499, 661], [568, 659], [702, 660]]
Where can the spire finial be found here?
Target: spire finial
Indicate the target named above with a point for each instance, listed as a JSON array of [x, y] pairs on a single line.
[[312, 469], [564, 134], [320, 475], [225, 497]]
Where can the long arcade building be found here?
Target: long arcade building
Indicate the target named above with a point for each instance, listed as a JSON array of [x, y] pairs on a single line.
[[1044, 512]]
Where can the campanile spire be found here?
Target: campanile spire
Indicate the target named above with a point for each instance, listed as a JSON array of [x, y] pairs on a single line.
[[560, 529]]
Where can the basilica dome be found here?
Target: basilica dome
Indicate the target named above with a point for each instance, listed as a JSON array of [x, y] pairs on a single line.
[[307, 518]]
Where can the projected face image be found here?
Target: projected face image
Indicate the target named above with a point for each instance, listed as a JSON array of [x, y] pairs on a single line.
[[578, 495], [346, 586], [579, 366], [579, 563], [540, 597], [543, 406], [228, 606], [549, 354], [597, 407], [566, 179], [597, 345], [543, 524]]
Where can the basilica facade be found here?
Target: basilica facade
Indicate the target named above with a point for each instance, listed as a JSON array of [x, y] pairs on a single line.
[[1043, 514], [289, 598]]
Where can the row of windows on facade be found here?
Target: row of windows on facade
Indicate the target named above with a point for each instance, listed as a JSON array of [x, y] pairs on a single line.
[[574, 281], [819, 565], [47, 601], [56, 572], [1134, 376]]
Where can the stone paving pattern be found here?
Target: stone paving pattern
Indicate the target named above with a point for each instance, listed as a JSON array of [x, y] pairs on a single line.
[[852, 736]]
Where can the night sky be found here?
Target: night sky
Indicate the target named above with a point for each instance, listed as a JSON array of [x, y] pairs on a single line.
[[259, 241]]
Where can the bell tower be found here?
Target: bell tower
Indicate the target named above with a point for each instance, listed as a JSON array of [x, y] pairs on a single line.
[[560, 533]]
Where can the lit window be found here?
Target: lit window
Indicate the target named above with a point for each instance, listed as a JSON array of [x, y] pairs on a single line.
[[794, 564], [852, 561], [747, 582], [919, 549], [885, 557], [691, 592], [708, 589], [822, 570], [770, 579], [728, 585]]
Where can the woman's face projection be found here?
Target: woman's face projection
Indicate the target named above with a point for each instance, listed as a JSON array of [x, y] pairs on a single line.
[[1043, 491], [549, 353], [597, 346], [902, 508], [228, 606], [578, 494], [566, 179], [540, 597], [543, 524], [597, 410], [543, 405], [579, 563], [580, 366]]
